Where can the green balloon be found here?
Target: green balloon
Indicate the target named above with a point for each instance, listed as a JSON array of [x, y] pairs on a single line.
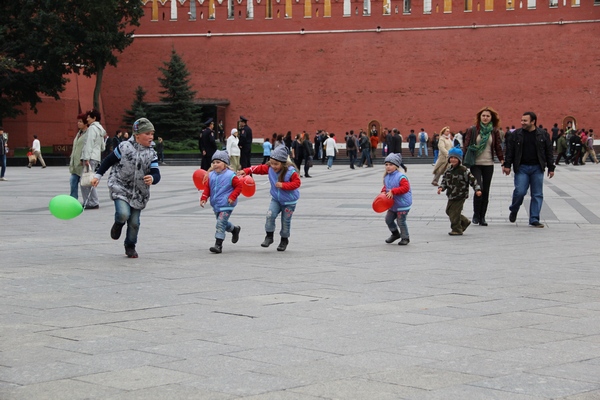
[[64, 206]]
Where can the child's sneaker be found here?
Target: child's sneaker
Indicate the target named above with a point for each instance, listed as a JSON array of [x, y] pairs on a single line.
[[130, 252], [404, 242], [454, 233]]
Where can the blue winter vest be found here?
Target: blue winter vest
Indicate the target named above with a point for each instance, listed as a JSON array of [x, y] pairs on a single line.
[[220, 190], [392, 181], [280, 195]]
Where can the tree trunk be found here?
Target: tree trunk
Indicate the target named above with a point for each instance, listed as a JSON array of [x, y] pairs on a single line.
[[98, 88]]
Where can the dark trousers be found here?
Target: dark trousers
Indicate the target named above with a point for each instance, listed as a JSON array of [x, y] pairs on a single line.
[[562, 155], [483, 174], [245, 159], [352, 157], [458, 222]]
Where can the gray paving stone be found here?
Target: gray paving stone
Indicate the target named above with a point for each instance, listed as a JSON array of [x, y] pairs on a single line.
[[503, 312]]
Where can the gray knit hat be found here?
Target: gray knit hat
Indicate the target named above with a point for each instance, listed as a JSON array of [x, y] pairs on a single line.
[[394, 158], [280, 154], [221, 156], [142, 125]]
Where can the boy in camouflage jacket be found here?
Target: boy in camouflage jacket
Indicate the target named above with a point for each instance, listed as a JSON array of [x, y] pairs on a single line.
[[456, 181]]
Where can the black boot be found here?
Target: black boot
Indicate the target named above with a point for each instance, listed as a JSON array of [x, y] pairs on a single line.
[[130, 251], [475, 219], [235, 234], [404, 242], [283, 244], [482, 215], [482, 222], [218, 247], [268, 240], [395, 236]]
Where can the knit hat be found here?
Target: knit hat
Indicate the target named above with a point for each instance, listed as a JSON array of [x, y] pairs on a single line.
[[455, 152], [221, 156], [280, 154], [234, 131], [142, 125], [394, 158]]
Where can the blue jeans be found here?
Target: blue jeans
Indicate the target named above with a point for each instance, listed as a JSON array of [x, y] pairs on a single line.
[[223, 224], [352, 157], [365, 157], [436, 153], [423, 145], [390, 220], [286, 217], [329, 161], [529, 177], [125, 213], [74, 182]]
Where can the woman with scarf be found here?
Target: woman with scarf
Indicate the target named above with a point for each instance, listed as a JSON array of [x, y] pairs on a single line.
[[484, 139]]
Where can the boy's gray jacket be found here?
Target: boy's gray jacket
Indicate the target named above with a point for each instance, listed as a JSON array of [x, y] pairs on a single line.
[[126, 179]]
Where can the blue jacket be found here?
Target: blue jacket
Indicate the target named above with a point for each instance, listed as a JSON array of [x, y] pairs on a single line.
[[220, 190], [392, 181], [280, 195]]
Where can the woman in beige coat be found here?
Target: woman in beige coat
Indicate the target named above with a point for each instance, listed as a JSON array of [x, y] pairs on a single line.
[[446, 143]]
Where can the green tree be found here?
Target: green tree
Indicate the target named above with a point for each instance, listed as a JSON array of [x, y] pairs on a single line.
[[138, 108], [42, 41], [177, 115]]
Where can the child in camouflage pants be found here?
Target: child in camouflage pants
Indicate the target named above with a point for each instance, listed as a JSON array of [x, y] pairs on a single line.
[[456, 181]]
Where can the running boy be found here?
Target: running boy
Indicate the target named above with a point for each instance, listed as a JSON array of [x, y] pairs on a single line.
[[456, 181], [223, 189], [284, 193], [134, 168], [397, 187]]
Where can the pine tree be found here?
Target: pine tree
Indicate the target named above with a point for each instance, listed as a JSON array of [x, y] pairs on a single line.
[[177, 117], [138, 109]]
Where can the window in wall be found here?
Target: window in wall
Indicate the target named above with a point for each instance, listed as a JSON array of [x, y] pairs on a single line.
[[307, 9], [366, 7], [347, 8], [597, 2], [426, 6], [387, 7], [230, 9], [553, 3], [468, 5], [288, 8], [154, 10], [212, 11], [406, 9], [250, 9], [447, 6], [192, 12], [173, 10], [489, 5], [530, 4], [268, 9], [327, 9], [510, 5], [575, 3]]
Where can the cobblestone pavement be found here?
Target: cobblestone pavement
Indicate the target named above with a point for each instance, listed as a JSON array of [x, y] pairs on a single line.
[[504, 312]]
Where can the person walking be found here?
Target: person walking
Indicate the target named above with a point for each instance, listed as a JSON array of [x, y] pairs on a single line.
[[331, 149], [423, 139], [529, 153], [412, 141], [208, 144], [3, 151], [267, 147], [397, 187], [233, 149], [435, 141], [591, 153], [75, 164], [285, 183], [351, 147], [445, 143], [245, 136], [134, 168], [561, 148], [484, 139], [36, 148], [91, 155], [365, 150], [223, 188], [456, 182]]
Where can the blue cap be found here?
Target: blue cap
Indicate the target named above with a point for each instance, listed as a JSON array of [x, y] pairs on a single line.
[[455, 152]]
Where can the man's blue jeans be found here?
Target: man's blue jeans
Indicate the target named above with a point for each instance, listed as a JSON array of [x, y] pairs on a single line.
[[286, 217], [529, 177], [423, 146], [125, 213]]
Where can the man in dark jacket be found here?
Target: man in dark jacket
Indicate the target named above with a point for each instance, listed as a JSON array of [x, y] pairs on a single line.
[[208, 144], [396, 146], [529, 152], [245, 143]]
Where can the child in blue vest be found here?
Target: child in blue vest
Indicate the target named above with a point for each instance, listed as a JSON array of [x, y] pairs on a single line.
[[223, 188], [284, 193], [397, 187]]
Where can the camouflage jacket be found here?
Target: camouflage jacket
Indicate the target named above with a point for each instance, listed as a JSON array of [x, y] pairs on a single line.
[[456, 182]]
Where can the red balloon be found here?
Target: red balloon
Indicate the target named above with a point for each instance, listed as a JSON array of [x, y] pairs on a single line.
[[382, 203], [198, 178], [248, 186]]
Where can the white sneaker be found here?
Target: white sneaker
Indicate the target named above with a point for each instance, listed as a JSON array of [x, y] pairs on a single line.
[[2, 179]]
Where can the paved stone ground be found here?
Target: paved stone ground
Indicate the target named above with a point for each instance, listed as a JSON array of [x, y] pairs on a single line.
[[503, 312]]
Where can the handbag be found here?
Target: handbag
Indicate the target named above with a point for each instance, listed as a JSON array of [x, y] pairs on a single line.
[[309, 162], [86, 177], [31, 158], [471, 154]]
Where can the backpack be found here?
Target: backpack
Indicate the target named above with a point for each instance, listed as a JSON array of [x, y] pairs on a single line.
[[350, 143], [422, 138]]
